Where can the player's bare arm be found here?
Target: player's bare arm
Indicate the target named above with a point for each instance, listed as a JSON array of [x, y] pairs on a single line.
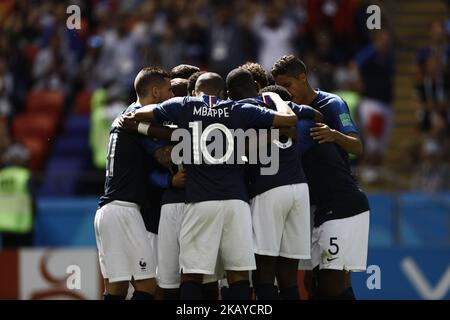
[[128, 123], [179, 179], [318, 116], [349, 142], [162, 156], [144, 114]]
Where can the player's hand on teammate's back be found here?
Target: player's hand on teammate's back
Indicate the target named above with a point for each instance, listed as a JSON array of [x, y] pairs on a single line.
[[179, 179], [127, 122], [323, 133]]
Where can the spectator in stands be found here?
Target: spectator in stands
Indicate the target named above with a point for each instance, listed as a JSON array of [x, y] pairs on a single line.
[[433, 174], [170, 49], [433, 91], [6, 87], [438, 46], [16, 198], [89, 74], [19, 70], [118, 62], [51, 68], [375, 65], [4, 139], [432, 73], [227, 41], [106, 106], [275, 34]]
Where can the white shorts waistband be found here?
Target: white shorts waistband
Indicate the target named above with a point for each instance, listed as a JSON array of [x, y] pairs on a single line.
[[124, 204]]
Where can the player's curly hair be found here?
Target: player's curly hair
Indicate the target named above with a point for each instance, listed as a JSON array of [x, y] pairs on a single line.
[[288, 65], [183, 71], [258, 73], [281, 91], [148, 76]]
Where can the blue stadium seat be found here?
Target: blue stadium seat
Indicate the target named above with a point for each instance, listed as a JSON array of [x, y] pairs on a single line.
[[424, 219], [65, 222], [381, 222], [73, 145], [61, 176], [77, 124]]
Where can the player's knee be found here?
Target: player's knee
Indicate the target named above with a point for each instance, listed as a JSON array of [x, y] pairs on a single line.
[[119, 288], [191, 277], [235, 276], [146, 285]]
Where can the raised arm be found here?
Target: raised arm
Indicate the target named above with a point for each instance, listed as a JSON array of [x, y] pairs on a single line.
[[284, 116]]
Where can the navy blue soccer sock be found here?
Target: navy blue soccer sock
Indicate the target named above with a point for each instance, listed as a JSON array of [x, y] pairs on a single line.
[[267, 291], [142, 295], [240, 290], [290, 293], [190, 290]]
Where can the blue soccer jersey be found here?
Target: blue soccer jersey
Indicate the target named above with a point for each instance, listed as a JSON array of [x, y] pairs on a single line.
[[207, 181], [290, 169], [128, 165], [335, 114], [332, 188]]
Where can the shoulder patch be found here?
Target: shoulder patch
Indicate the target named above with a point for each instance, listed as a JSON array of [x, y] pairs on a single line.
[[345, 119]]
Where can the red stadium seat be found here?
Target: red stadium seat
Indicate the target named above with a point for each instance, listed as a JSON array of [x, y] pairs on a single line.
[[38, 148], [83, 102], [50, 102], [35, 125], [376, 125], [30, 52]]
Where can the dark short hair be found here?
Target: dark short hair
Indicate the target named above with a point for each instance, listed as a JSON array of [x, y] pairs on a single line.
[[193, 80], [240, 84], [179, 87], [211, 83], [148, 76], [280, 90], [288, 65], [183, 71], [258, 73]]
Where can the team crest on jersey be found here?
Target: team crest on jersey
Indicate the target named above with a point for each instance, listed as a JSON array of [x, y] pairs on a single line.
[[143, 265]]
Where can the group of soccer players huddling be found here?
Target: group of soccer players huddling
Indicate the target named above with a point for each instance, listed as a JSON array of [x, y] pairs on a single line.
[[224, 219]]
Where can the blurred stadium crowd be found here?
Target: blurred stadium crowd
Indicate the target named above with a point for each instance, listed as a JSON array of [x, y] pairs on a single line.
[[61, 88]]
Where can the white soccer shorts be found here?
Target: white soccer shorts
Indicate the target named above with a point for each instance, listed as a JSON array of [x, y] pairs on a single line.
[[341, 244], [168, 270], [125, 249], [281, 222], [216, 229]]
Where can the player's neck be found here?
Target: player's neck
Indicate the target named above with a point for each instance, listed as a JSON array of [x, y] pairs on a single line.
[[310, 95], [145, 101]]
